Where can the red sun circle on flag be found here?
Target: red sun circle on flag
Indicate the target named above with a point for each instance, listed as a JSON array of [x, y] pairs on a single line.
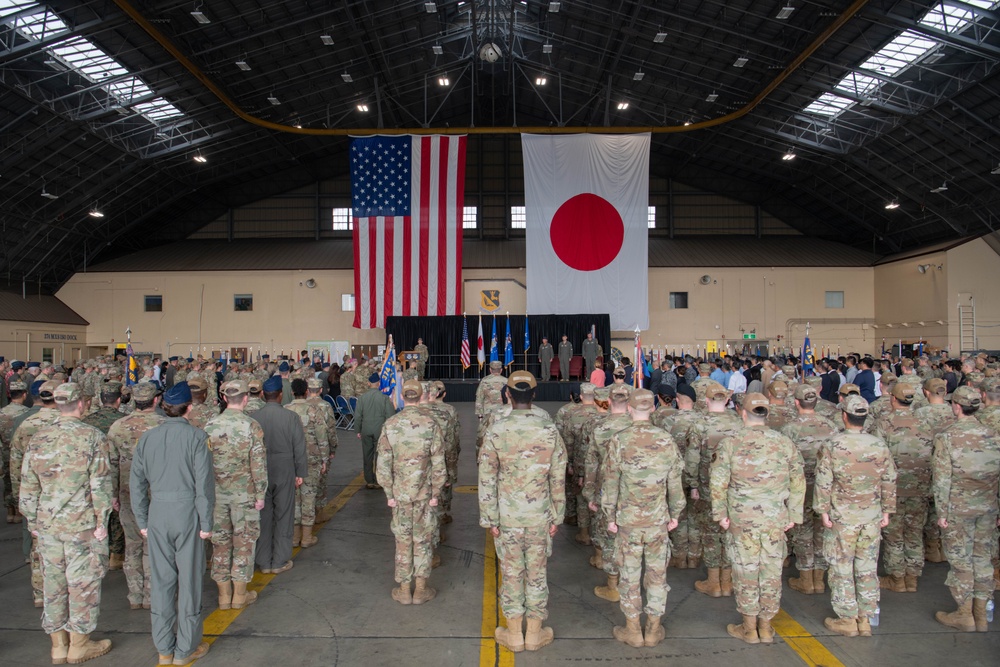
[[587, 232]]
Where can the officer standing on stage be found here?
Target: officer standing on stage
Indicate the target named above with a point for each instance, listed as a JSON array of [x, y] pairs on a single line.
[[589, 351], [545, 356], [565, 355], [424, 353]]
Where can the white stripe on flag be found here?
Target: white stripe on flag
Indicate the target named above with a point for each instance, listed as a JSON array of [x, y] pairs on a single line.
[[380, 269], [432, 212], [415, 167], [361, 299], [454, 227], [397, 265]]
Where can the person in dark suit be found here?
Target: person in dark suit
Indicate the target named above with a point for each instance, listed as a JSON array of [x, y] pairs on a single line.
[[285, 440], [831, 382], [865, 379]]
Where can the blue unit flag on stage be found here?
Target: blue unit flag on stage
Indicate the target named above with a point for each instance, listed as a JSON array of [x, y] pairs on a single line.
[[387, 377], [808, 358], [494, 351], [508, 348]]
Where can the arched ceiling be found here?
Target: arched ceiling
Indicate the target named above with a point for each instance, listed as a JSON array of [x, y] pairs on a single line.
[[96, 112]]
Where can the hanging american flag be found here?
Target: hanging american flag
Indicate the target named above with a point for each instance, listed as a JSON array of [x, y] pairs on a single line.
[[466, 360], [407, 193]]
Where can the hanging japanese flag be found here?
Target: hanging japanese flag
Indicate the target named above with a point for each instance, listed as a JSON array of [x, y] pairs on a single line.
[[586, 201]]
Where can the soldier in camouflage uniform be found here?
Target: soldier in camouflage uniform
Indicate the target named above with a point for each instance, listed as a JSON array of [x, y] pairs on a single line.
[[213, 384], [758, 489], [452, 445], [522, 468], [935, 415], [685, 540], [882, 405], [102, 420], [911, 446], [780, 413], [255, 402], [490, 389], [410, 467], [240, 463], [315, 397], [66, 496], [318, 455], [703, 439], [425, 356], [347, 379], [701, 385], [966, 474], [598, 438], [123, 435], [23, 432], [18, 394], [642, 494], [576, 453], [855, 494], [411, 372], [988, 414], [201, 409], [808, 431]]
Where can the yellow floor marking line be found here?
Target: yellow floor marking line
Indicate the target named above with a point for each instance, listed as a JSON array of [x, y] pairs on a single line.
[[219, 620], [492, 654], [810, 649], [466, 489]]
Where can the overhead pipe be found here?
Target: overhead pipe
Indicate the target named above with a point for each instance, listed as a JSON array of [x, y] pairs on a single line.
[[820, 40]]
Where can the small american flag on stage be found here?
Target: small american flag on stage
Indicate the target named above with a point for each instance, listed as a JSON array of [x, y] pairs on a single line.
[[466, 359], [407, 192]]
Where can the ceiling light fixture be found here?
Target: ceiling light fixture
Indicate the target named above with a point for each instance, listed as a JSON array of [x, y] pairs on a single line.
[[687, 123], [789, 155], [785, 12], [712, 97], [638, 76], [273, 100], [242, 64], [660, 37], [437, 50], [546, 47], [47, 194], [444, 81], [941, 188], [326, 39], [94, 213], [363, 107], [200, 159], [541, 81], [199, 15], [554, 7], [894, 204], [430, 7], [298, 124], [996, 170], [741, 61], [622, 106], [347, 77]]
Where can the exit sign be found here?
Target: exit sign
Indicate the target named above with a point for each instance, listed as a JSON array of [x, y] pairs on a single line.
[[750, 336]]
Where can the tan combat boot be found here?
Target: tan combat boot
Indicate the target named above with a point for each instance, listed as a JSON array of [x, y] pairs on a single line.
[[402, 594], [710, 586], [979, 615], [847, 627], [195, 655], [693, 562], [818, 586], [864, 626], [435, 561], [165, 659], [631, 634], [893, 583], [225, 594], [764, 630], [933, 553], [747, 631], [422, 592], [726, 581], [803, 583], [81, 649], [241, 596], [597, 560], [308, 539], [583, 537], [296, 535], [610, 591], [511, 637], [654, 631], [910, 581], [960, 619], [116, 562], [535, 636], [60, 647]]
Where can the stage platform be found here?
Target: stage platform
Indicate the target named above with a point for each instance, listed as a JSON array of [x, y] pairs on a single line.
[[462, 391]]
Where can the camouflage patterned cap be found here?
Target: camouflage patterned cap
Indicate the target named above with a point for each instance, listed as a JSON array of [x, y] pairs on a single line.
[[620, 393], [642, 400], [17, 385], [114, 372], [849, 389], [855, 406], [967, 397], [587, 388], [888, 378], [906, 363], [314, 384], [59, 377], [496, 366], [788, 370], [936, 386], [991, 385], [197, 383], [806, 392], [716, 392], [975, 378], [756, 403], [778, 389], [255, 386], [112, 388], [145, 391], [412, 389], [45, 364], [48, 388], [235, 388], [437, 387], [518, 380], [704, 368], [67, 393], [814, 381], [904, 391]]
